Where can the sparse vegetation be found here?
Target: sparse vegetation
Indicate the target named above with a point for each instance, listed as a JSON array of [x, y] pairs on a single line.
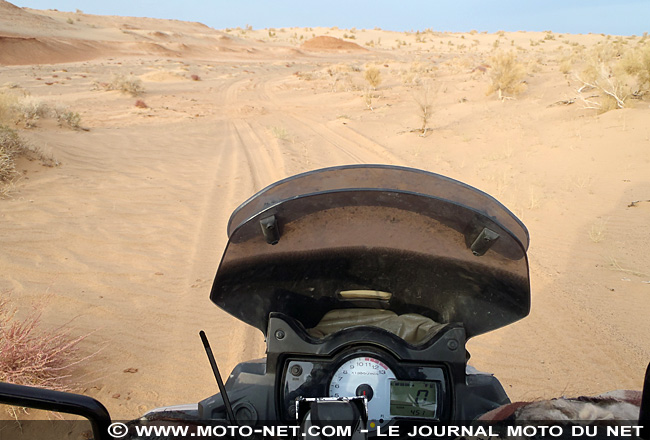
[[636, 63], [125, 84], [615, 265], [614, 73], [612, 92], [67, 117], [280, 133], [507, 75], [425, 109], [367, 98], [29, 110], [10, 146], [373, 76], [29, 355], [8, 112], [13, 146], [597, 231], [566, 65]]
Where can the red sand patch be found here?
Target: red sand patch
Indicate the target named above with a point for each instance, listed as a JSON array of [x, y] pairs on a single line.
[[331, 44], [27, 50]]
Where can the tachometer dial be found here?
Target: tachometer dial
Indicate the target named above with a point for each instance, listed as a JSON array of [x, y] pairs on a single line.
[[369, 377]]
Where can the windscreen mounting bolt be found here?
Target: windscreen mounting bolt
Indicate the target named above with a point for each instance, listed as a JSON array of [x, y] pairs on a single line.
[[279, 334], [452, 344]]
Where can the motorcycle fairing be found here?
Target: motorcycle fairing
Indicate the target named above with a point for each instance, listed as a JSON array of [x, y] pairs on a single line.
[[434, 246]]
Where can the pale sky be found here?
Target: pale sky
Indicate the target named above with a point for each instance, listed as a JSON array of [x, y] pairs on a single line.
[[630, 17]]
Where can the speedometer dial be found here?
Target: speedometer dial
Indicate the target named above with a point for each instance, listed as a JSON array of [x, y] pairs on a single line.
[[369, 377]]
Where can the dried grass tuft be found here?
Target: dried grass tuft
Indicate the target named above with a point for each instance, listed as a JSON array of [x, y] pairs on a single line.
[[125, 84], [507, 75], [13, 146], [636, 63], [373, 76], [28, 110], [611, 91], [31, 356]]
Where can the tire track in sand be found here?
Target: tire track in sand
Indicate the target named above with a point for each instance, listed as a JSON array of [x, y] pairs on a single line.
[[239, 164], [248, 165], [347, 140], [263, 165]]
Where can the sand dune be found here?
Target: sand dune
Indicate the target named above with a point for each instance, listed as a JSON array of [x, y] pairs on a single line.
[[126, 234], [325, 43], [30, 36]]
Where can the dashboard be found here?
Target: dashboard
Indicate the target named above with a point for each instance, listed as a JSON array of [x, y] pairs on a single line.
[[394, 390], [403, 385]]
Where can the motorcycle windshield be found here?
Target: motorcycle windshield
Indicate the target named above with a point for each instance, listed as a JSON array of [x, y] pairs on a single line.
[[378, 237]]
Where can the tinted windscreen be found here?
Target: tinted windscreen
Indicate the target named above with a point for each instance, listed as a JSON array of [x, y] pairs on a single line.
[[417, 247], [384, 177]]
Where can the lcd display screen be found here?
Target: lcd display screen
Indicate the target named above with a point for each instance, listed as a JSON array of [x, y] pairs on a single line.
[[413, 398]]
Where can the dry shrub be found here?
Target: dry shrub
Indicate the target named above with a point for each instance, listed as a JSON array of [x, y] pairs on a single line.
[[29, 110], [636, 63], [70, 119], [615, 73], [367, 99], [605, 52], [125, 84], [566, 65], [8, 108], [66, 117], [415, 73], [280, 133], [608, 103], [373, 76], [141, 104], [410, 78], [425, 109], [31, 356], [507, 75], [612, 91], [11, 146]]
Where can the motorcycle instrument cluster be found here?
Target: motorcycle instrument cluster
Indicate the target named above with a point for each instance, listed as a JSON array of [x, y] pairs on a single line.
[[404, 391]]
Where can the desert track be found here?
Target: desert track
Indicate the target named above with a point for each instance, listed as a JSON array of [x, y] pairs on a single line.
[[122, 240]]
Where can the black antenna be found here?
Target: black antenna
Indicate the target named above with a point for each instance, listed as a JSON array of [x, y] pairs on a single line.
[[215, 370]]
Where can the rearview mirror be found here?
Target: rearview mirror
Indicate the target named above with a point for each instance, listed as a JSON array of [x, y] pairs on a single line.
[[69, 403]]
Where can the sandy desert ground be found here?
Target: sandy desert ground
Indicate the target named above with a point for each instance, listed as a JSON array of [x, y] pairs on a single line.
[[123, 237]]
